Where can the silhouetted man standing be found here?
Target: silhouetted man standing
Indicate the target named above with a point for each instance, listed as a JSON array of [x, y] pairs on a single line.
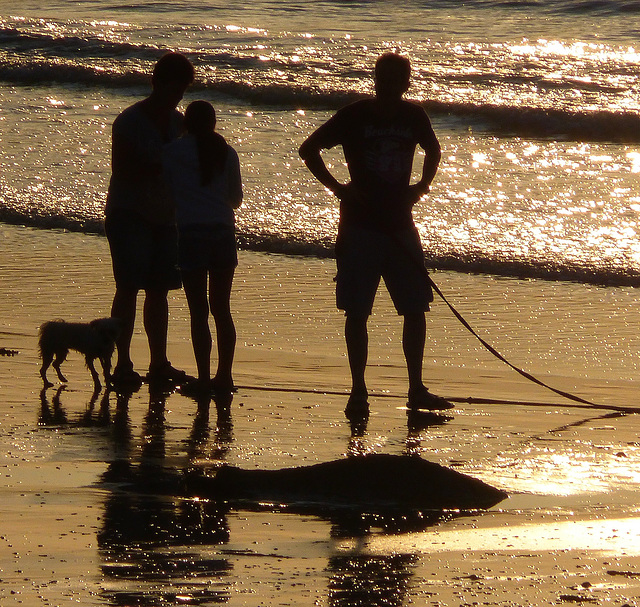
[[140, 218], [376, 235]]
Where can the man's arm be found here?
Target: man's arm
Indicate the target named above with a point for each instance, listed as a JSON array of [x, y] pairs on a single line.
[[126, 160], [310, 152], [430, 144]]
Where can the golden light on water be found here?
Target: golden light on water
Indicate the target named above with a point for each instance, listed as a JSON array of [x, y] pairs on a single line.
[[571, 476], [577, 49], [613, 537], [542, 201], [634, 159], [564, 471]]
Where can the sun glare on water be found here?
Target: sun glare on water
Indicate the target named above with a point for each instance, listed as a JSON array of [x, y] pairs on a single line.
[[607, 537]]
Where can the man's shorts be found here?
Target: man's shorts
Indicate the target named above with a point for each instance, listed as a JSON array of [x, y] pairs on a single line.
[[144, 255], [364, 256], [211, 248]]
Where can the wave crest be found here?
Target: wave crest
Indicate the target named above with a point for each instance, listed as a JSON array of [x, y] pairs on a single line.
[[323, 247]]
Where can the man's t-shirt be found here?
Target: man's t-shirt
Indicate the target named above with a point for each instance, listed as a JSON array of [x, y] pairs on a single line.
[[141, 188], [379, 150]]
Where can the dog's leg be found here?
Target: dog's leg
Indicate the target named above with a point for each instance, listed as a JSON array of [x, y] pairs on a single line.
[[106, 368], [94, 373], [47, 359], [60, 358]]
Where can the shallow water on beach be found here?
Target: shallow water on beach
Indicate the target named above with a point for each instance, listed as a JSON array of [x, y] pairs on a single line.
[[69, 462], [76, 528]]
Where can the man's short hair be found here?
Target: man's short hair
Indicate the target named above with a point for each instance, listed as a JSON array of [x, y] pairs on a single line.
[[173, 66], [393, 68]]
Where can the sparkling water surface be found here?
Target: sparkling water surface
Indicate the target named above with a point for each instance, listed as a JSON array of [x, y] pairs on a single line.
[[535, 104]]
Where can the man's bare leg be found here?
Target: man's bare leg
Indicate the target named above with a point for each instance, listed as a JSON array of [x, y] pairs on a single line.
[[357, 350], [414, 334]]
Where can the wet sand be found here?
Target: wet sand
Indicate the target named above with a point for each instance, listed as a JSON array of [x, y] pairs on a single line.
[[73, 532]]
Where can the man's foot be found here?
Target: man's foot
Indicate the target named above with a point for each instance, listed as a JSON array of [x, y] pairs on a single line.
[[222, 386], [357, 405], [423, 399], [167, 374], [125, 377]]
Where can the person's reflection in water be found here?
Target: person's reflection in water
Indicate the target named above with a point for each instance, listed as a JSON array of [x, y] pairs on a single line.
[[417, 423], [100, 418], [121, 433], [151, 537], [198, 440], [154, 432], [359, 579], [224, 427], [358, 423], [201, 452]]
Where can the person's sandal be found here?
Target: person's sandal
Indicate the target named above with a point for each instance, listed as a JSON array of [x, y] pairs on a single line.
[[357, 406], [125, 378], [167, 374], [423, 399]]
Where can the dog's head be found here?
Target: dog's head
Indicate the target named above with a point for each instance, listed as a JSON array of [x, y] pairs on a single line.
[[109, 328]]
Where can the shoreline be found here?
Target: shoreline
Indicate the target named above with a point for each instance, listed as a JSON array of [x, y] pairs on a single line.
[[323, 249], [570, 532]]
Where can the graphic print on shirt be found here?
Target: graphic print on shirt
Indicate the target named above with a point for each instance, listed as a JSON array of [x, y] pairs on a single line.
[[389, 151]]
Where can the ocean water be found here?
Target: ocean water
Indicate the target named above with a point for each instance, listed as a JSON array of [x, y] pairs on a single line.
[[535, 102]]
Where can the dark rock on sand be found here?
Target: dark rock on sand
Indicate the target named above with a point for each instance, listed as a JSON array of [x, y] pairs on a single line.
[[371, 482]]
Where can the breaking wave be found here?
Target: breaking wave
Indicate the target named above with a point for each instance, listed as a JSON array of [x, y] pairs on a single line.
[[254, 238]]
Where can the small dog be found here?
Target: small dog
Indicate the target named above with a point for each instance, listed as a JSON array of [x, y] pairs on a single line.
[[95, 339]]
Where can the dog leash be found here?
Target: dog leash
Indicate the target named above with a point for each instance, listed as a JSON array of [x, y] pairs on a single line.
[[499, 356], [420, 263]]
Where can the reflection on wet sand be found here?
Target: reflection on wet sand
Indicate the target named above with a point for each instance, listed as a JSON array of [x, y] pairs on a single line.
[[148, 541], [160, 545], [152, 542], [359, 578]]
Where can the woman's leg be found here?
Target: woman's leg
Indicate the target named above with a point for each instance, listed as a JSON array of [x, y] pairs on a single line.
[[220, 283], [195, 288]]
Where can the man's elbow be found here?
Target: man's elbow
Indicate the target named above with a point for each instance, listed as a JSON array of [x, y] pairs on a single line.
[[307, 151], [434, 154], [236, 198]]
